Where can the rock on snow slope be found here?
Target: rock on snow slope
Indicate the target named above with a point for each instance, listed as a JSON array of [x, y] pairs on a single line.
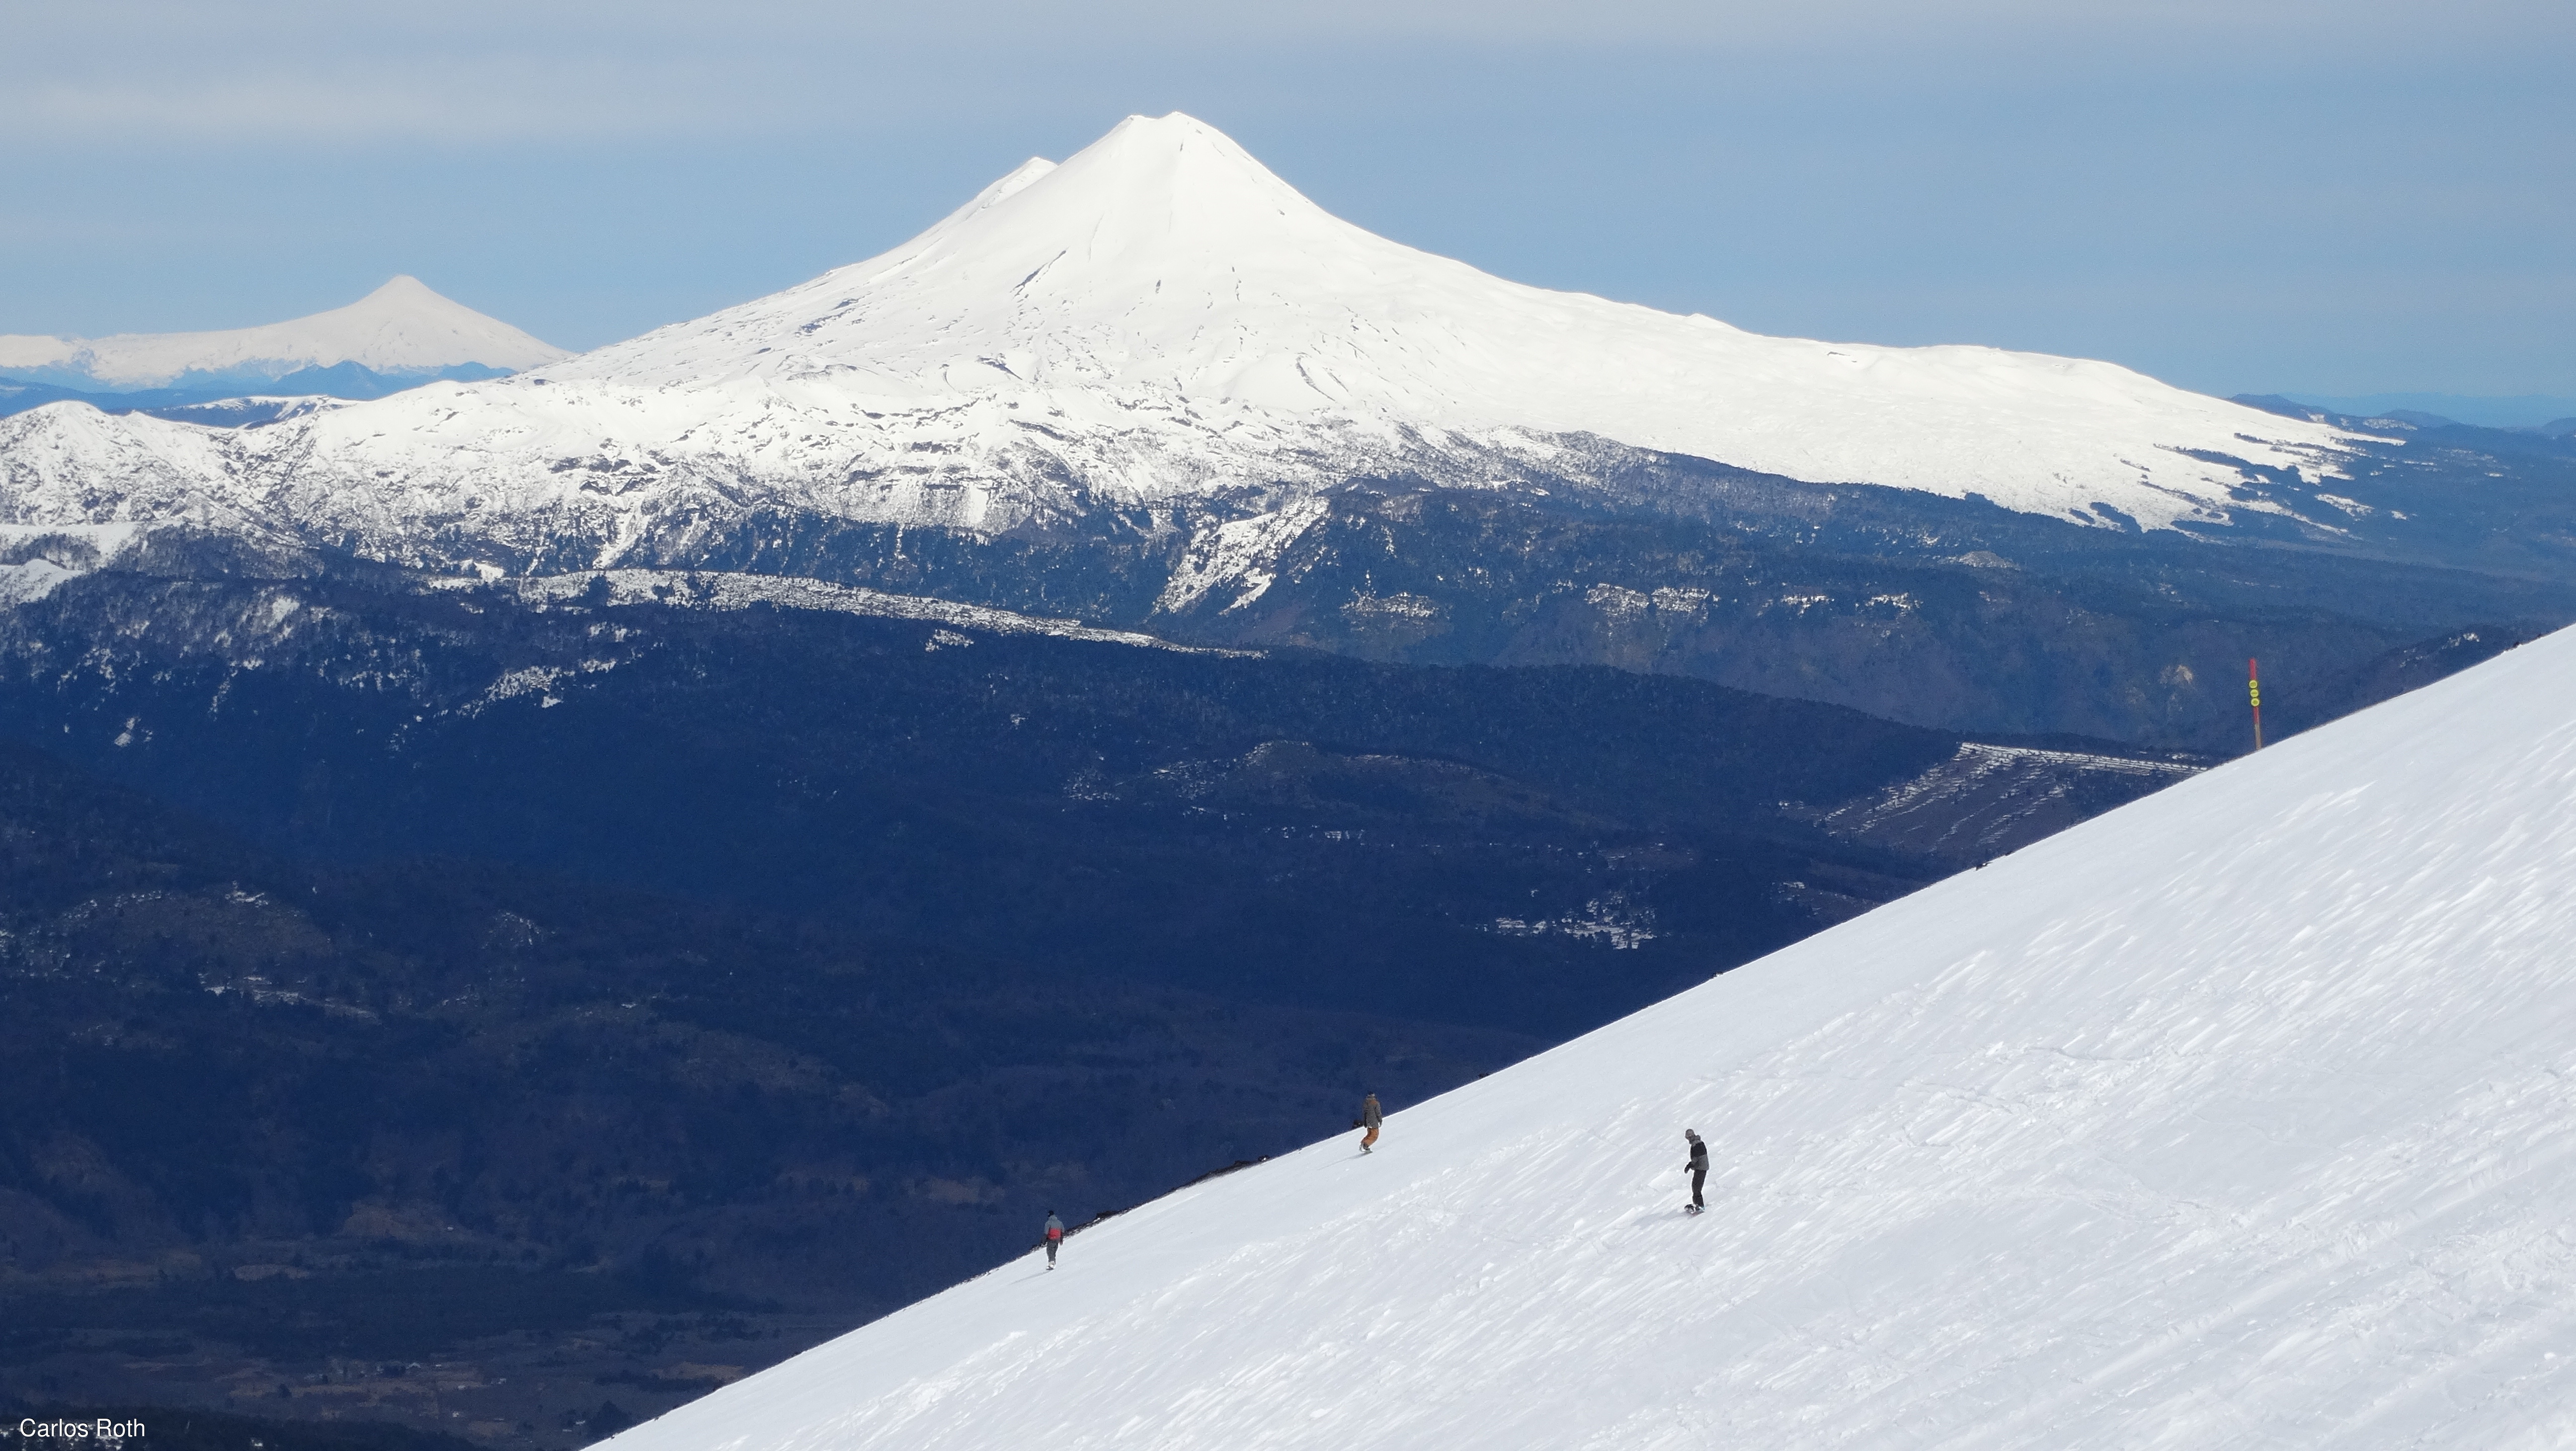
[[1159, 318], [2241, 1116], [401, 327]]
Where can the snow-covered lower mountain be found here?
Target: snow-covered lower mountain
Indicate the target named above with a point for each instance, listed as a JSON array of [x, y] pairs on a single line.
[[1157, 322], [2244, 1115], [400, 330]]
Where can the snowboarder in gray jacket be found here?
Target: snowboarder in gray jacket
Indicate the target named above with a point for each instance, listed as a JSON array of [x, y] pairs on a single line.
[[1054, 1237], [1698, 1167]]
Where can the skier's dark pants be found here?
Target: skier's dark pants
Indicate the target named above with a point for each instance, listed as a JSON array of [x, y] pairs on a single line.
[[1698, 1178], [1051, 1244]]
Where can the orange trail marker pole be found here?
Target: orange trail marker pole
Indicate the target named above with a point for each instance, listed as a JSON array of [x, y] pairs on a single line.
[[2254, 694]]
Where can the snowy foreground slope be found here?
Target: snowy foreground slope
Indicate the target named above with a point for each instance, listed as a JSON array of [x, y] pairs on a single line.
[[2241, 1116], [400, 328], [1159, 320]]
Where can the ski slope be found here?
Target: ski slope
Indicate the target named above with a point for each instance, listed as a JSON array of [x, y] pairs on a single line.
[[2243, 1116]]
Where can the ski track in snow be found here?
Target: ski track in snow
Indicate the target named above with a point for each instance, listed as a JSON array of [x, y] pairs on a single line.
[[1158, 319], [2242, 1116]]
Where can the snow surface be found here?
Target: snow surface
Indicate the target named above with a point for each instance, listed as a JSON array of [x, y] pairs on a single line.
[[401, 327], [1160, 318], [2242, 1116]]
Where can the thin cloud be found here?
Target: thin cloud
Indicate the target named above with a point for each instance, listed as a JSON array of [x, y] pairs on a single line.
[[306, 71]]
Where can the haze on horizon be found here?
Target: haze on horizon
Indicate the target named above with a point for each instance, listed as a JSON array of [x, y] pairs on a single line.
[[2334, 200]]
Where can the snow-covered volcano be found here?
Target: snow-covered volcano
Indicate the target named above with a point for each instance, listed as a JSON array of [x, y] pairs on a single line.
[[2242, 1116], [1160, 318], [401, 328], [1165, 263]]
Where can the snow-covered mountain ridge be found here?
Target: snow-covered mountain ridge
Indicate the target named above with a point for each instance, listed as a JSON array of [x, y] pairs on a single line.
[[1158, 321], [401, 328], [2241, 1115], [708, 590]]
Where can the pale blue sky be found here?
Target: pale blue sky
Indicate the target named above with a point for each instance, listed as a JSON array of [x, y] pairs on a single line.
[[2335, 198]]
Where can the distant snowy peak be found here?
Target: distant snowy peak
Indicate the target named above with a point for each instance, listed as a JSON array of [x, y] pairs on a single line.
[[400, 328], [1164, 262], [1102, 271]]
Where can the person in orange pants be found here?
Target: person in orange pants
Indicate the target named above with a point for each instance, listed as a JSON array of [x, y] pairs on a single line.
[[1371, 1118]]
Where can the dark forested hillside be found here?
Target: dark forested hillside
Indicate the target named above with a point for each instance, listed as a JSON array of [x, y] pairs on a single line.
[[574, 994], [1950, 613]]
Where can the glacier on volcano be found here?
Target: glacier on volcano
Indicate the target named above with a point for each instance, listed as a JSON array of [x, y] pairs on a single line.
[[1158, 321], [2244, 1115]]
